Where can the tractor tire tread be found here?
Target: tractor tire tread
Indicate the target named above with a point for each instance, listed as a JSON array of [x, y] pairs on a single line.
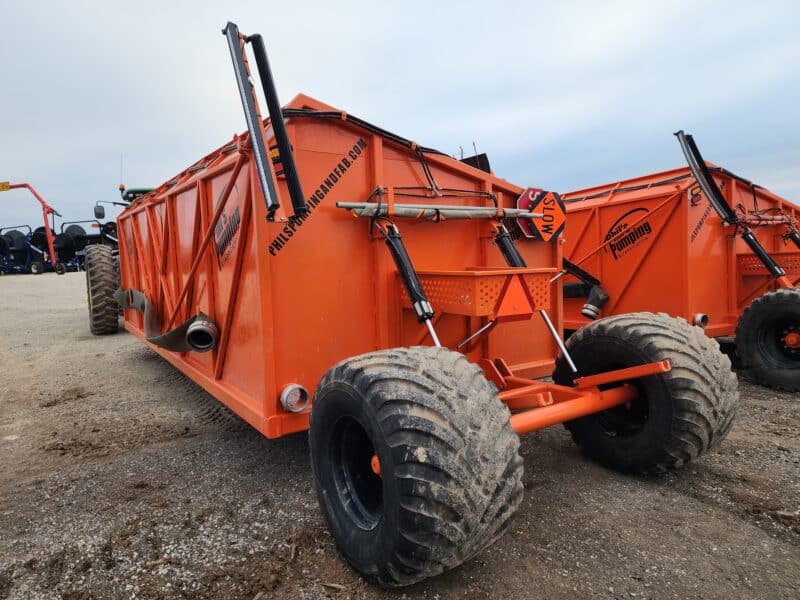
[[762, 373], [701, 382], [101, 283], [456, 458]]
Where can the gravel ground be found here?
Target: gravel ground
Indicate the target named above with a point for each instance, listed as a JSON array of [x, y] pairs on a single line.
[[120, 478]]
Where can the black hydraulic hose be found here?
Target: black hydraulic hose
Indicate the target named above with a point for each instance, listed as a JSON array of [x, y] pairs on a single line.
[[703, 177], [573, 269], [661, 182], [630, 188], [278, 126], [701, 174], [338, 115], [597, 296]]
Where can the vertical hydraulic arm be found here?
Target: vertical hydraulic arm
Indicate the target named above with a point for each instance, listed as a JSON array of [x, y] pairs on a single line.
[[278, 126], [703, 177], [244, 82]]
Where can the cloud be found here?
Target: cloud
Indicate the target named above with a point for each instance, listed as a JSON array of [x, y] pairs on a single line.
[[560, 94]]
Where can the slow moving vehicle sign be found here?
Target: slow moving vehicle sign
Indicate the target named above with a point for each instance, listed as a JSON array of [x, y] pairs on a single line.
[[551, 214]]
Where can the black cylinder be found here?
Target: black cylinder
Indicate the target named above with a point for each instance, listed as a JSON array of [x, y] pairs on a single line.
[[506, 244], [419, 301], [774, 269], [794, 235], [278, 126]]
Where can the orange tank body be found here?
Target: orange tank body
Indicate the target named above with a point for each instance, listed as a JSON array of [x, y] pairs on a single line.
[[677, 256], [291, 298]]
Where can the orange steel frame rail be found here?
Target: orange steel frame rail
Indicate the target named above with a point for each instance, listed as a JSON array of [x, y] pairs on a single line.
[[690, 262], [293, 295], [47, 210]]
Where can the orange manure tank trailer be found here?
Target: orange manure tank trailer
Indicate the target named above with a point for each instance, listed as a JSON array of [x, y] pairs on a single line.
[[696, 242], [321, 273]]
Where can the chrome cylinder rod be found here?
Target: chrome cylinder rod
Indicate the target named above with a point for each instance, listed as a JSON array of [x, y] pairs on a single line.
[[476, 334], [558, 340], [433, 211], [432, 331]]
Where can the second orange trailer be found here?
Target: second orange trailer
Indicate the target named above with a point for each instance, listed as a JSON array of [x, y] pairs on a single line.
[[697, 242]]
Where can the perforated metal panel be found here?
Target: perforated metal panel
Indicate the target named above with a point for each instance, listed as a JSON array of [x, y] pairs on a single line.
[[475, 293], [750, 265], [540, 287]]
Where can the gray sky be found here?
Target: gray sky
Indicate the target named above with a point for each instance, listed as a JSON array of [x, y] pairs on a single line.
[[560, 95]]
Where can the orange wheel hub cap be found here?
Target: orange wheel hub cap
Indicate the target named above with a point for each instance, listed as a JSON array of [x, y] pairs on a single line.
[[792, 340]]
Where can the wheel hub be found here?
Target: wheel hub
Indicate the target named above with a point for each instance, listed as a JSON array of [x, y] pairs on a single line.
[[791, 339], [358, 484]]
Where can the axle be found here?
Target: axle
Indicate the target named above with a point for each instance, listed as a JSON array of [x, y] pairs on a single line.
[[590, 403]]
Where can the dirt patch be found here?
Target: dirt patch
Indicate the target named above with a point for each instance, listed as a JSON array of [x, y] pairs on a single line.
[[69, 395]]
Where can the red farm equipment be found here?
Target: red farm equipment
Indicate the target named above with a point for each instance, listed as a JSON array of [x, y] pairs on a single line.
[[699, 243], [40, 243], [273, 272]]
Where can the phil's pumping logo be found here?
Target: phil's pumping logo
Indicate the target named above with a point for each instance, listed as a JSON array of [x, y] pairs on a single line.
[[227, 229], [224, 234], [628, 231]]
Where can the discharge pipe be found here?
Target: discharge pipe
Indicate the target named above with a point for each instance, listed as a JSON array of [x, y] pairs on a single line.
[[202, 335]]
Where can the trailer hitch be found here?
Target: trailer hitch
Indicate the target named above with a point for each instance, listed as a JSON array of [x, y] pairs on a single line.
[[536, 404]]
